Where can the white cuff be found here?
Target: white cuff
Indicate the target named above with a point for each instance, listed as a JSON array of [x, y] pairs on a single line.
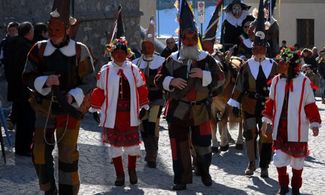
[[166, 83], [233, 103], [206, 78], [314, 124], [78, 95], [92, 110], [266, 120], [39, 85], [146, 107]]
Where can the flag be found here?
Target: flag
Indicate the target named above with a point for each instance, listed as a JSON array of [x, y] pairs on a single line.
[[210, 32], [118, 28]]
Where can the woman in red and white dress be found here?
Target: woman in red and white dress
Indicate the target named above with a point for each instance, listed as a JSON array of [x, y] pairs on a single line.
[[291, 109], [120, 94]]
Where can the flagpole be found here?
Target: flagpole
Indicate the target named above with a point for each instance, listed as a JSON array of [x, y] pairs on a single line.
[[158, 29]]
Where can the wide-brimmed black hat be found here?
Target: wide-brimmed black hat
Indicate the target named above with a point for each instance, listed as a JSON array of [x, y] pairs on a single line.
[[242, 4]]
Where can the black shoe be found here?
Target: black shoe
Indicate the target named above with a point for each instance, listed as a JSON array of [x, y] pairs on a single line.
[[151, 164], [224, 148], [179, 187], [283, 190], [295, 191], [215, 149], [51, 192], [196, 171], [28, 154], [264, 173], [206, 180], [120, 180], [133, 177], [239, 146]]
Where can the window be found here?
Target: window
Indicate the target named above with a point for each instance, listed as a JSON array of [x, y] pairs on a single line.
[[305, 32]]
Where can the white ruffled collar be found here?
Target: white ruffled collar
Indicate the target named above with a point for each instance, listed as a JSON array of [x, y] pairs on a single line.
[[236, 21], [155, 63]]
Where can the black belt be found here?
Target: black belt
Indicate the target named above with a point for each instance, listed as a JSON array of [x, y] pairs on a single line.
[[192, 103], [255, 95]]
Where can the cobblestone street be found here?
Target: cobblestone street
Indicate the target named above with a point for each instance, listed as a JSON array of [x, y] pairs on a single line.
[[97, 174]]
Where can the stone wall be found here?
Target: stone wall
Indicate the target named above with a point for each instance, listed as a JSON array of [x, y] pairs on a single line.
[[97, 18]]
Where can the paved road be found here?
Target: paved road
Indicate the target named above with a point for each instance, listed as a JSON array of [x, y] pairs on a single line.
[[98, 176]]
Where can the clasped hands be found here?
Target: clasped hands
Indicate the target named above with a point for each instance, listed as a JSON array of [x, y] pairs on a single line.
[[181, 83], [53, 80]]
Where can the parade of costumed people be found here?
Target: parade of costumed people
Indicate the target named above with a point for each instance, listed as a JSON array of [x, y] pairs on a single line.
[[114, 97]]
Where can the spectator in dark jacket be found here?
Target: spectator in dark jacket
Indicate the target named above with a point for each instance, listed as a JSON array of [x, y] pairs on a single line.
[[40, 32], [321, 71], [308, 57], [12, 31], [170, 47], [15, 59]]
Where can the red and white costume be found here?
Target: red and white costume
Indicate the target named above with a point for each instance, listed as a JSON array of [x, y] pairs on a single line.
[[120, 93], [291, 109]]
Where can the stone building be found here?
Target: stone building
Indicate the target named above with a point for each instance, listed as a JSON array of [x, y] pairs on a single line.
[[97, 18]]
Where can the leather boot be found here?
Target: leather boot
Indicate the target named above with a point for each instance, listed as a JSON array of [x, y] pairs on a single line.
[[250, 168], [295, 191], [179, 187], [283, 191], [283, 179], [296, 181], [118, 164], [133, 177], [203, 163], [132, 160], [264, 172]]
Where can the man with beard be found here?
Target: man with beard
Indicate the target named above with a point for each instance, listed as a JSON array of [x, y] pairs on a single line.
[[190, 77], [236, 15], [149, 64], [60, 72], [249, 95]]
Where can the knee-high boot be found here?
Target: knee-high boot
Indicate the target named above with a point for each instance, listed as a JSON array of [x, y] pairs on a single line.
[[132, 160], [296, 181], [203, 163], [118, 164], [283, 179]]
